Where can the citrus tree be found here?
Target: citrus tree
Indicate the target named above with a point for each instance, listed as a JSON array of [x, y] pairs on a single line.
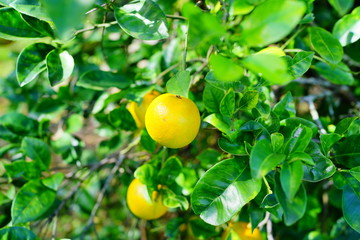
[[158, 119]]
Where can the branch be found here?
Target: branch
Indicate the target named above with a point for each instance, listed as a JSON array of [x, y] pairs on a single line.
[[102, 25], [314, 113]]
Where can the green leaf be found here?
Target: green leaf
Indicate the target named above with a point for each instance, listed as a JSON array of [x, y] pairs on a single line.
[[341, 6], [291, 177], [41, 26], [67, 15], [263, 160], [225, 69], [300, 140], [348, 151], [31, 202], [147, 142], [355, 172], [210, 78], [343, 126], [208, 157], [170, 170], [301, 63], [13, 26], [171, 200], [249, 100], [339, 74], [295, 209], [59, 66], [328, 140], [290, 124], [271, 22], [233, 148], [326, 45], [202, 230], [31, 7], [179, 84], [38, 151], [351, 203], [219, 186], [54, 181], [31, 62], [274, 73], [100, 80], [227, 104], [285, 108], [18, 124], [346, 29], [277, 141], [21, 168], [204, 28], [146, 174], [323, 168], [16, 233], [223, 123], [301, 156], [142, 19], [122, 118], [212, 98]]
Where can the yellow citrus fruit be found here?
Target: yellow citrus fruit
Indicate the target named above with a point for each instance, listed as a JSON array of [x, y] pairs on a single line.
[[272, 50], [138, 110], [243, 231], [172, 120], [140, 204]]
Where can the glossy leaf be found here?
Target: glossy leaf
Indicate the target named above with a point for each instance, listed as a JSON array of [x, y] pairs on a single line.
[[59, 66], [351, 203], [289, 124], [179, 84], [300, 139], [249, 100], [228, 185], [291, 178], [271, 22], [223, 123], [32, 8], [262, 158], [15, 124], [301, 156], [221, 85], [348, 152], [328, 140], [171, 200], [285, 108], [31, 202], [21, 168], [227, 104], [343, 126], [346, 29], [54, 181], [326, 45], [212, 98], [16, 233], [225, 69], [340, 74], [169, 171], [38, 151], [13, 26], [31, 62], [121, 118], [277, 141], [142, 19], [100, 80], [341, 6], [233, 148], [323, 168], [275, 73], [301, 63], [295, 209]]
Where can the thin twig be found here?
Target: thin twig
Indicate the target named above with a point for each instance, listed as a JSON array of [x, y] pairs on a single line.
[[315, 115], [264, 221], [53, 234], [106, 185], [102, 25], [185, 47], [269, 230], [102, 194], [176, 17]]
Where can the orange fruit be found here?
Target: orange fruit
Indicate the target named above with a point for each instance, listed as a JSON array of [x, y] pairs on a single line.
[[138, 110], [140, 203], [242, 231], [172, 120]]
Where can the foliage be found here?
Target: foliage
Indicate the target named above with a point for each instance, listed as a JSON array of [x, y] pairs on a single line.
[[279, 138]]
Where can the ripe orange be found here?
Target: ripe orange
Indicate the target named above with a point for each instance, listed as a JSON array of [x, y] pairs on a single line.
[[140, 203], [172, 120], [138, 110], [242, 230]]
